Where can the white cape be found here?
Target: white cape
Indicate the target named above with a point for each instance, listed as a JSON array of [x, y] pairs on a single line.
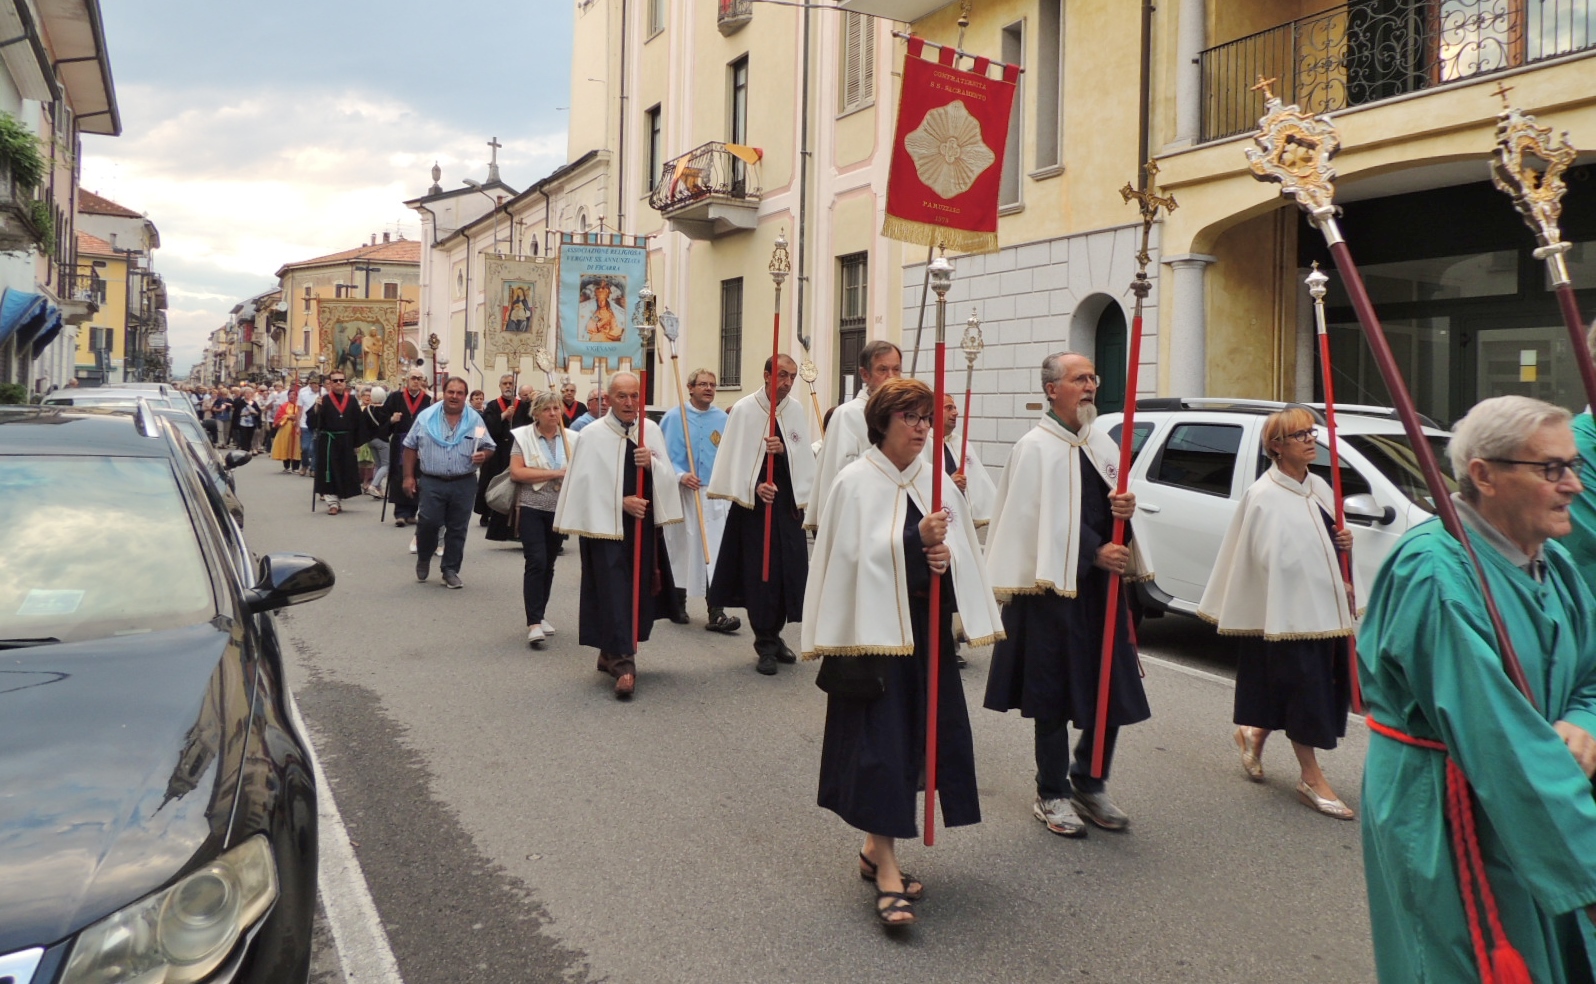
[[1032, 545], [590, 499], [979, 489], [532, 453], [740, 461], [686, 546], [1278, 574], [856, 601], [846, 439]]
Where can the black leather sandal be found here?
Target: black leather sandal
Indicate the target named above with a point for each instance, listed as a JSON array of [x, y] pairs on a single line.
[[898, 903], [913, 888]]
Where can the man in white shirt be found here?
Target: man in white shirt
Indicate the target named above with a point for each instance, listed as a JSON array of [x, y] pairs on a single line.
[[307, 397]]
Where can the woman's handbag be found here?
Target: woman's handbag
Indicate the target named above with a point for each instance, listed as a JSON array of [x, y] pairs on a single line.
[[500, 496], [853, 677]]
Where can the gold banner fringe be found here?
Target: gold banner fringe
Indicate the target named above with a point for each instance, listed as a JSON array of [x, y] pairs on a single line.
[[926, 234]]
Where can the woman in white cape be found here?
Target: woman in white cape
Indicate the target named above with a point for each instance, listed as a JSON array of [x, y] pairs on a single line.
[[867, 610], [1277, 586]]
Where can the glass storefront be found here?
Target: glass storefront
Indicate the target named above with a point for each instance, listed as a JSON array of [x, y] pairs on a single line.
[[1464, 303]]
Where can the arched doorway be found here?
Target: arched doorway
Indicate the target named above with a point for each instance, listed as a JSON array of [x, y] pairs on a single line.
[[1112, 358]]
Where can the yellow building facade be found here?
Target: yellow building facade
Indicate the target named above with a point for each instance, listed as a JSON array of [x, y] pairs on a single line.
[[102, 342]]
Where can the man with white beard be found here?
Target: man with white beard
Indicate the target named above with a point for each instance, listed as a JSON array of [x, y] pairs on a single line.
[[1049, 553]]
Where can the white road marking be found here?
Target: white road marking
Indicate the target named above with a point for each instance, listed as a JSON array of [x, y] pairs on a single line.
[[362, 944]]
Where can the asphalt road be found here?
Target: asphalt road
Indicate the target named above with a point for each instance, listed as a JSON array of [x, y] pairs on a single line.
[[514, 822]]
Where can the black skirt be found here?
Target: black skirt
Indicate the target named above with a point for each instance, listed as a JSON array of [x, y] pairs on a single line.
[[1300, 686], [872, 758]]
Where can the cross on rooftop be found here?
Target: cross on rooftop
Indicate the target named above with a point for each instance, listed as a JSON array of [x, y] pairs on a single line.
[[493, 164]]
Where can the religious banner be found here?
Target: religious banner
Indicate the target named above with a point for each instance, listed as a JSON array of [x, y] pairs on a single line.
[[600, 276], [520, 296], [360, 336], [947, 152]]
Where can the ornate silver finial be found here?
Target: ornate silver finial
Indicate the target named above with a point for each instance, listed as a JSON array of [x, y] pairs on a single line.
[[941, 274], [780, 260], [670, 325], [972, 343], [437, 175], [1317, 282]]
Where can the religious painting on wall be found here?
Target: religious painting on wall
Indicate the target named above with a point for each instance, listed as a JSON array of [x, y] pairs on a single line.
[[360, 337], [520, 294], [457, 281], [599, 282]]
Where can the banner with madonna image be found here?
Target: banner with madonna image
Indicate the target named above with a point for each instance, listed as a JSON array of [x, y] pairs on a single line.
[[600, 275], [947, 152], [520, 303]]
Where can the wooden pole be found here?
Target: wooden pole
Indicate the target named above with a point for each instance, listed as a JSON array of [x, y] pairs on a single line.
[[692, 464]]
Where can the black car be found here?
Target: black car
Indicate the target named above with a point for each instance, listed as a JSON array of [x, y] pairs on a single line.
[[157, 803]]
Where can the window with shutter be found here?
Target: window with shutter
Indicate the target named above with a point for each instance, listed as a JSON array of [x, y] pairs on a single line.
[[858, 62]]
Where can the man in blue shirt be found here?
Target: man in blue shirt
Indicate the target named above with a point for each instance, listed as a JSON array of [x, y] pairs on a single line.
[[598, 404], [443, 449], [685, 541]]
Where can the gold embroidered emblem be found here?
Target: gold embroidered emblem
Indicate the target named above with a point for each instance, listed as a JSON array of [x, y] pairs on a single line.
[[714, 438]]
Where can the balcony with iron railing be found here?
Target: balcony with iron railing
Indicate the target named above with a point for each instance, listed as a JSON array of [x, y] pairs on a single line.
[[1369, 50], [81, 294], [707, 192], [734, 14]]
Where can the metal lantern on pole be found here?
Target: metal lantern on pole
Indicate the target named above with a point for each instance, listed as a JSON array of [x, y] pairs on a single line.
[[941, 276], [971, 344], [646, 320], [780, 267]]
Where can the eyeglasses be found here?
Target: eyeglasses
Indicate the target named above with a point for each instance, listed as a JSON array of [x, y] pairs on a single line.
[[1553, 469], [913, 420], [1086, 380], [1304, 436], [336, 379]]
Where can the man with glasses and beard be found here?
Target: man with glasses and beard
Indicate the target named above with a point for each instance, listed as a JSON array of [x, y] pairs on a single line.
[[1049, 553], [340, 428]]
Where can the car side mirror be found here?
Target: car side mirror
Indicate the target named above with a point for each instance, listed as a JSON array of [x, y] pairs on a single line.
[[288, 579], [1362, 508], [237, 459]]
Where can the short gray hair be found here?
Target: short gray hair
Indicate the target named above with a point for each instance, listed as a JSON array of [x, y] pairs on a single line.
[[692, 377], [609, 387], [1497, 428], [546, 399], [1053, 366]]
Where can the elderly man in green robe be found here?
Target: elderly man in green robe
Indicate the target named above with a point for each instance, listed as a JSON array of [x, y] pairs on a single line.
[[1432, 674]]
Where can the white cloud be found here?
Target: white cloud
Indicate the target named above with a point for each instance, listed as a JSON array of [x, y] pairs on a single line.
[[240, 183]]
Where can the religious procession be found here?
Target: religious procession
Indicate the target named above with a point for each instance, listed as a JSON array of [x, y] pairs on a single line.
[[1081, 492]]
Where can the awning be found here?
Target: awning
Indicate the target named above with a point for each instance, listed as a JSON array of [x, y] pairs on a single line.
[[18, 307], [907, 11], [52, 328]]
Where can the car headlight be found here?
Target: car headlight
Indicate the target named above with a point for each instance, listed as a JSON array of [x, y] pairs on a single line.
[[183, 933]]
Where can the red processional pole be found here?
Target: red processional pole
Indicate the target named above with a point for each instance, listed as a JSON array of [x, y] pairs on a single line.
[[1295, 149], [1317, 289], [1537, 193], [780, 266], [941, 273], [645, 330], [1150, 203]]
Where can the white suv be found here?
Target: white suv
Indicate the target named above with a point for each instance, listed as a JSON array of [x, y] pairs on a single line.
[[1195, 458]]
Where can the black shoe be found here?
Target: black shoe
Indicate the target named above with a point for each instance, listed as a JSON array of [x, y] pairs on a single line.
[[423, 568], [452, 580], [785, 655], [766, 664]]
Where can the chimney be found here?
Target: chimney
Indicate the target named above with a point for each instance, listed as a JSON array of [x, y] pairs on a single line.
[[374, 239], [385, 237]]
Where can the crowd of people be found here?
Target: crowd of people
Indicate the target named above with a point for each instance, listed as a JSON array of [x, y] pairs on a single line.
[[1477, 799]]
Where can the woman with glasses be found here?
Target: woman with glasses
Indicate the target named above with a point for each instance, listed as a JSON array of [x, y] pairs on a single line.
[[867, 614], [1277, 587]]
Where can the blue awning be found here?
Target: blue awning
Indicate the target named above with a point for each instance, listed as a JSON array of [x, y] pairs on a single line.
[[17, 307], [52, 328], [36, 324]]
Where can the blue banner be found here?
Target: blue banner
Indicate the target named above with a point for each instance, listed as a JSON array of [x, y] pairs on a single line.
[[598, 286]]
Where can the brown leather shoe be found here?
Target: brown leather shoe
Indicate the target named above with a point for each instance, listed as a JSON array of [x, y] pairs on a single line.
[[624, 685]]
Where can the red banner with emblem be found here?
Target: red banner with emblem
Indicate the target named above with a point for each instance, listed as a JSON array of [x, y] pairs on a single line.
[[947, 153]]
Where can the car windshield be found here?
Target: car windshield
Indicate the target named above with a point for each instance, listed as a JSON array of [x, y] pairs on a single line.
[[96, 547], [1393, 455]]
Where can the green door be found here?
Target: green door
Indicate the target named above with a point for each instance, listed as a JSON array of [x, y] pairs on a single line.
[[1111, 359]]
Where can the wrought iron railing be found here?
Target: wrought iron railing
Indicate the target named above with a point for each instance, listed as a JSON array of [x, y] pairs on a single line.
[[1368, 50], [736, 11], [77, 285], [710, 171]]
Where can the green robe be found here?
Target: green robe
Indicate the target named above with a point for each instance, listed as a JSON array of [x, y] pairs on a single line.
[[1429, 668], [1582, 542]]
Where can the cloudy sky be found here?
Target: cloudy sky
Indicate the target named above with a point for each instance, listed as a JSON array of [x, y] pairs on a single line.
[[258, 134]]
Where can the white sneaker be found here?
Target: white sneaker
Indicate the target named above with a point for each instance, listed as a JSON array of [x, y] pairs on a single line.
[[1060, 817], [412, 544], [548, 629], [534, 635]]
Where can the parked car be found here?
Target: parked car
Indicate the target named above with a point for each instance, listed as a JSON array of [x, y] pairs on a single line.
[[159, 822], [1195, 458], [125, 397]]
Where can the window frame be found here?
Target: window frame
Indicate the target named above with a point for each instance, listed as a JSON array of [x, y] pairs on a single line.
[[853, 316], [857, 61], [1013, 53], [731, 333], [1155, 467], [654, 134]]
